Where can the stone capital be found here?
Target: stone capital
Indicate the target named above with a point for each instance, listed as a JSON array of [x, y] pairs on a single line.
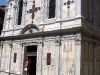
[[40, 43], [57, 41], [78, 40], [10, 44]]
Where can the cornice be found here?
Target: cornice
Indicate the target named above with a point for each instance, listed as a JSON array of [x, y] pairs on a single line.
[[83, 30], [39, 34]]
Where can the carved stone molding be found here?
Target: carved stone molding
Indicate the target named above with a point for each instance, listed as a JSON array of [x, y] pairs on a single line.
[[57, 41], [78, 40], [41, 43], [10, 44], [25, 3], [25, 43]]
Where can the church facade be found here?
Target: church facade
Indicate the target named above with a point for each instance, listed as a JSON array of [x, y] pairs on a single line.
[[51, 37]]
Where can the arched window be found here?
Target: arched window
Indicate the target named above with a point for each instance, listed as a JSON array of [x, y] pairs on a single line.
[[52, 5], [20, 12]]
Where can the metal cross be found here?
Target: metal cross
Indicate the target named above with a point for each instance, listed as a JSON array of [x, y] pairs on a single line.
[[33, 10], [68, 3]]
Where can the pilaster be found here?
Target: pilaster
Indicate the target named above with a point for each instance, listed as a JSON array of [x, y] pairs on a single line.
[[57, 55], [78, 8], [24, 13], [58, 9], [45, 9], [39, 58], [9, 61], [77, 56], [42, 11], [14, 16]]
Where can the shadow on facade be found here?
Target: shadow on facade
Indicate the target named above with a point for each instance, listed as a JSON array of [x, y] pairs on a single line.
[[2, 13]]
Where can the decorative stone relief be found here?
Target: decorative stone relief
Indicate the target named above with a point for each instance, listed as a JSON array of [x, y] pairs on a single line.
[[68, 8], [67, 58]]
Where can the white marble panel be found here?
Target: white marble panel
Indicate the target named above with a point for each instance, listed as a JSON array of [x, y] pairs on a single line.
[[5, 57], [16, 66], [67, 58], [48, 48]]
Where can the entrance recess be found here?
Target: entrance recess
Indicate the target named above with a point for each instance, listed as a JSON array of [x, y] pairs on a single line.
[[31, 56]]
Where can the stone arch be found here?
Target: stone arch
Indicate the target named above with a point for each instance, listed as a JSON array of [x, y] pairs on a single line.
[[30, 27]]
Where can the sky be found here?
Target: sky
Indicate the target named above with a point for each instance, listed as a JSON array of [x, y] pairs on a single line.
[[2, 2]]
